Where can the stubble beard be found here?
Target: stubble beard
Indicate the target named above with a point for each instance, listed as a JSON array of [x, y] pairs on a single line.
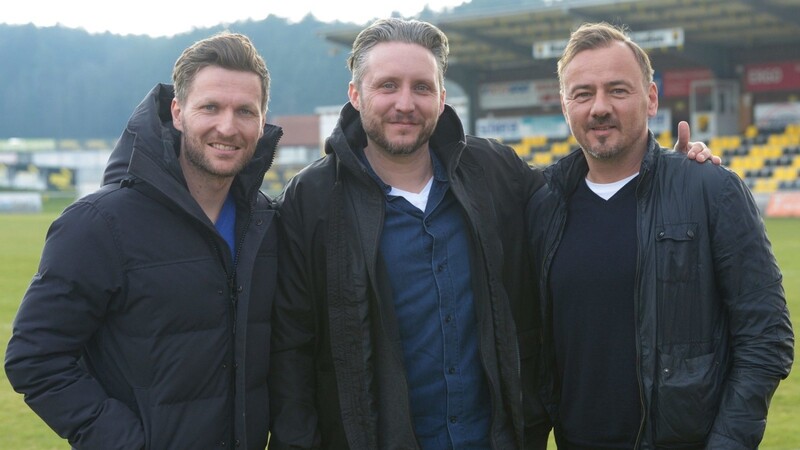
[[192, 148], [602, 150], [375, 133], [603, 153]]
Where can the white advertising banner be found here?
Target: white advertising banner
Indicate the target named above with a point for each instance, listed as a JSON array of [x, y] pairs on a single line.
[[518, 94], [776, 115], [515, 128]]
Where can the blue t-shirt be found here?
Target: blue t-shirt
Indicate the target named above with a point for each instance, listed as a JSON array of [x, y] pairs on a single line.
[[226, 223]]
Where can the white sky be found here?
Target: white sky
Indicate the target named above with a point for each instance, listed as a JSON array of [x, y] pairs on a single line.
[[169, 17]]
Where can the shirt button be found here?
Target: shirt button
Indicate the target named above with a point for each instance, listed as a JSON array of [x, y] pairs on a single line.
[[453, 419], [237, 443], [451, 370], [448, 318]]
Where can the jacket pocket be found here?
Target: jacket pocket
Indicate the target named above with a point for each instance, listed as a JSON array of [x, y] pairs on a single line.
[[686, 399], [677, 252]]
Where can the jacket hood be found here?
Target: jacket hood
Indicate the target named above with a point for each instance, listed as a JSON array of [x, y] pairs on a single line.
[[148, 148], [448, 139]]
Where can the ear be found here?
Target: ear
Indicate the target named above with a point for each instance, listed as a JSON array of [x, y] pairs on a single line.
[[175, 108], [564, 112], [263, 124], [354, 96], [652, 100], [442, 99]]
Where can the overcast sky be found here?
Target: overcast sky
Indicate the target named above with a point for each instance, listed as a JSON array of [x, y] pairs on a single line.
[[169, 17]]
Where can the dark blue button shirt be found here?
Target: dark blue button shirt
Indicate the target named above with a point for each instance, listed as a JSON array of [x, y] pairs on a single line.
[[429, 270]]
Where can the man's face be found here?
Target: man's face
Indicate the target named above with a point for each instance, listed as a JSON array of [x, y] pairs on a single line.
[[221, 121], [607, 103], [400, 98]]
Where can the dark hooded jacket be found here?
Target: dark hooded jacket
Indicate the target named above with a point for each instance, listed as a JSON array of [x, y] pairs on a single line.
[[341, 382], [140, 330], [713, 335]]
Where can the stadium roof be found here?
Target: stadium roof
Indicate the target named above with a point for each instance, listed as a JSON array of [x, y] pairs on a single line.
[[718, 34]]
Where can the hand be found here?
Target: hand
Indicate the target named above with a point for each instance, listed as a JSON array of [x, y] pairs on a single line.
[[693, 150]]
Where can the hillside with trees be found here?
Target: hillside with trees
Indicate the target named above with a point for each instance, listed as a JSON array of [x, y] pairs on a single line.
[[57, 82], [65, 83]]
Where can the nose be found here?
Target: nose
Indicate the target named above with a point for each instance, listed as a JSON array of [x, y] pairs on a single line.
[[405, 100], [601, 105], [226, 123]]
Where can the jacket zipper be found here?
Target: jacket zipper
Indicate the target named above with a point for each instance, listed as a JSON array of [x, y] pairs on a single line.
[[636, 304]]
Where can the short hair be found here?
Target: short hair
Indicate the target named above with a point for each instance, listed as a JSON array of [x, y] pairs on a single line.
[[228, 50], [398, 30], [590, 36]]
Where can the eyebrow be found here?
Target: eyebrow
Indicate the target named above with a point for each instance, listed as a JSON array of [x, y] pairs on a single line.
[[611, 83]]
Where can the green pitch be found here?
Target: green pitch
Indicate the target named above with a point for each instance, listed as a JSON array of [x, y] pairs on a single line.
[[22, 237]]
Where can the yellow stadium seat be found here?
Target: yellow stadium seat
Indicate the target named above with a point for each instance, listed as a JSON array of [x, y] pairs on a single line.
[[765, 185], [542, 159], [560, 148]]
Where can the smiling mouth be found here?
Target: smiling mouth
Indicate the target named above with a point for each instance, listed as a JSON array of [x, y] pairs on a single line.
[[223, 147]]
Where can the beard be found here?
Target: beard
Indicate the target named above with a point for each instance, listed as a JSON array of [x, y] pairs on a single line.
[[373, 129], [602, 150], [192, 148]]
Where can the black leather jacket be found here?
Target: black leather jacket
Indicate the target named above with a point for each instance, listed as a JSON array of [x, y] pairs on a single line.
[[339, 379], [714, 336]]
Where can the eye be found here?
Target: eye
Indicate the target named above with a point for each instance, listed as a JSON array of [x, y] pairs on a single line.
[[581, 95], [389, 85], [247, 112], [423, 87], [209, 107]]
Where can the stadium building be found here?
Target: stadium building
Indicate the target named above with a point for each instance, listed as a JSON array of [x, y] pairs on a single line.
[[731, 68]]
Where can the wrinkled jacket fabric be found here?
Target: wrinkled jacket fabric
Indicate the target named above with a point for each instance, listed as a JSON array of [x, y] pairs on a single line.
[[713, 332], [139, 329], [339, 381]]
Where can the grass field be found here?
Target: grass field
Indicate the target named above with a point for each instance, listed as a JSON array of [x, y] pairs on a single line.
[[22, 237]]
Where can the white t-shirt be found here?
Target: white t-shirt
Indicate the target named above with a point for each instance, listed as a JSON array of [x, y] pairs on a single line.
[[420, 201], [607, 190]]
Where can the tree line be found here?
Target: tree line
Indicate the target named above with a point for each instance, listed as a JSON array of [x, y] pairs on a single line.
[[63, 83]]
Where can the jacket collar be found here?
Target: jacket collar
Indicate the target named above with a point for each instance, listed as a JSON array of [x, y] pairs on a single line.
[[148, 149], [448, 140], [564, 175]]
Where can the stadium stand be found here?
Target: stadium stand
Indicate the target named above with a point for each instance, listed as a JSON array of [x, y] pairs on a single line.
[[768, 160], [503, 57]]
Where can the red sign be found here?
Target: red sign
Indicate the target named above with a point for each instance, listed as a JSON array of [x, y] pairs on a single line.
[[676, 82], [777, 76], [784, 204]]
